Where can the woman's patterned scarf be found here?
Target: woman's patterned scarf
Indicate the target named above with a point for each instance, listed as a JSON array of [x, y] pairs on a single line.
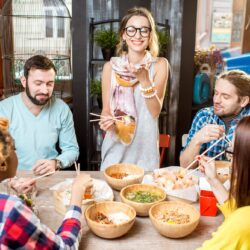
[[122, 97]]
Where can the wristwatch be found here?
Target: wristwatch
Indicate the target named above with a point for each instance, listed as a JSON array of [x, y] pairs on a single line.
[[58, 164]]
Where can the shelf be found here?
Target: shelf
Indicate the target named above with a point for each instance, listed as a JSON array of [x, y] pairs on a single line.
[[97, 61]]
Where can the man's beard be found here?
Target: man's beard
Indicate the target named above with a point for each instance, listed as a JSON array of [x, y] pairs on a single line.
[[34, 100]]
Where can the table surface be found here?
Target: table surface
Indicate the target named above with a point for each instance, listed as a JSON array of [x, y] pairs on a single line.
[[142, 235]]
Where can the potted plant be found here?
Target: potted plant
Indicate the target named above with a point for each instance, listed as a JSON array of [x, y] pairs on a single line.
[[163, 39], [107, 39], [96, 91]]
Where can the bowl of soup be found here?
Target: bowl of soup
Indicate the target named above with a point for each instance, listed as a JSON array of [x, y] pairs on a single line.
[[121, 175]]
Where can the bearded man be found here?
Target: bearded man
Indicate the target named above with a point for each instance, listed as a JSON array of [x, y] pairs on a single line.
[[230, 104], [39, 121]]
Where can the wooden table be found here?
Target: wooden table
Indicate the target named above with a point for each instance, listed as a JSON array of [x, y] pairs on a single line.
[[142, 235]]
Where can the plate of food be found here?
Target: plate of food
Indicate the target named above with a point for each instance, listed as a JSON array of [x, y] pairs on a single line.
[[176, 183], [62, 194]]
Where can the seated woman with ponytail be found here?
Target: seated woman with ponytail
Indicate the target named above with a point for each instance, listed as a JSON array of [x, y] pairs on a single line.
[[19, 226], [234, 233]]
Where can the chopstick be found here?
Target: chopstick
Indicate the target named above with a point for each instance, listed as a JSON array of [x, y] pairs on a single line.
[[77, 167], [195, 160], [224, 134], [104, 116], [216, 156], [41, 176], [189, 173]]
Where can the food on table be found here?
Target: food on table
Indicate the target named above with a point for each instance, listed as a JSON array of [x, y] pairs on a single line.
[[124, 176], [143, 196], [88, 194], [98, 192], [27, 201], [173, 217], [112, 218], [118, 175], [176, 179]]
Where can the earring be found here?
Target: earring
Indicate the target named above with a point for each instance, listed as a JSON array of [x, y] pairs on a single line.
[[124, 45]]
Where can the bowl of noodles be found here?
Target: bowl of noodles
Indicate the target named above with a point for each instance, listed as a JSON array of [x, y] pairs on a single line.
[[174, 219], [110, 219]]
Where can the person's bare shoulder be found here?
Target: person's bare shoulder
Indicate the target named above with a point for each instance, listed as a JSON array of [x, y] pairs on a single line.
[[162, 63]]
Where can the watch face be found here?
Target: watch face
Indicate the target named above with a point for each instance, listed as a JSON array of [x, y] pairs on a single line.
[[58, 164]]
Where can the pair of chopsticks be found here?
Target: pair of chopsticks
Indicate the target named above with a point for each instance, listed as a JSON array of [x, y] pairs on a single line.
[[224, 134], [189, 173], [195, 160], [103, 116], [77, 167], [44, 175]]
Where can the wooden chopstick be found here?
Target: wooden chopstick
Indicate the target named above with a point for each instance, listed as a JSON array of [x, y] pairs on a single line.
[[216, 156], [189, 173], [41, 176], [76, 167], [195, 160], [107, 117]]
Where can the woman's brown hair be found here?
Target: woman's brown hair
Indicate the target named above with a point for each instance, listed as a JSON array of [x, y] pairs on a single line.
[[6, 143], [240, 178], [153, 39]]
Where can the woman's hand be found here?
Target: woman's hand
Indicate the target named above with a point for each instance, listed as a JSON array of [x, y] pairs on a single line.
[[107, 123], [208, 169], [140, 72]]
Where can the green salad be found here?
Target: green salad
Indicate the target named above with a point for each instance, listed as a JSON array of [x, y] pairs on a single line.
[[143, 196]]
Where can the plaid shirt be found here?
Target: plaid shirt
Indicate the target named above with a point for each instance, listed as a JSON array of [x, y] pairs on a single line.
[[207, 116], [20, 228]]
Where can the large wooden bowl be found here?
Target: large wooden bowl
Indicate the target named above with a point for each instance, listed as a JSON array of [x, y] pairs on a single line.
[[121, 168], [142, 209], [174, 230], [109, 231]]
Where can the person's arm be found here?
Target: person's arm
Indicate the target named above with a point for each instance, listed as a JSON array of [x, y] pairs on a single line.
[[217, 187], [154, 104], [67, 141], [106, 123], [199, 135], [24, 230]]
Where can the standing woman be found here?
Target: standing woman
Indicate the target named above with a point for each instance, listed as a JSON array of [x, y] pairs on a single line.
[[133, 86], [234, 233]]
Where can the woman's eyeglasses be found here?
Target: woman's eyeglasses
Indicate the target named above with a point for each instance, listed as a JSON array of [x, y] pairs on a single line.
[[131, 31]]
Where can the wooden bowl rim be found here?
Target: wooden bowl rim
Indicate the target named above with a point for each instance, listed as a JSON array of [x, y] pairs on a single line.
[[146, 203], [110, 225], [122, 164]]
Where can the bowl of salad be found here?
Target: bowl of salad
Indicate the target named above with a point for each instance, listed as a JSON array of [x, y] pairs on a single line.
[[142, 197]]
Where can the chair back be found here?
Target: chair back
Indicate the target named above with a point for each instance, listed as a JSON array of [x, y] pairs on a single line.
[[164, 143]]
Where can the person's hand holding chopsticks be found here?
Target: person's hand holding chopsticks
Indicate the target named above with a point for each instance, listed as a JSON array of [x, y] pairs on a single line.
[[80, 184], [209, 133], [207, 167]]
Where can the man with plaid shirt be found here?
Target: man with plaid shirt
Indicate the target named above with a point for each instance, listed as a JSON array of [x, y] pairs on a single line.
[[231, 103]]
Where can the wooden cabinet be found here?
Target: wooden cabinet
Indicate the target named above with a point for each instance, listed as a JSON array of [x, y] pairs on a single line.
[[241, 25]]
